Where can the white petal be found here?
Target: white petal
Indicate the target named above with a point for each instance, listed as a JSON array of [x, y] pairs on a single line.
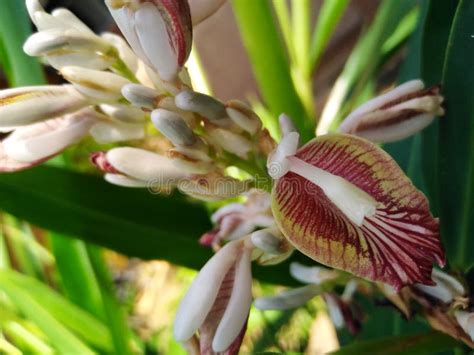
[[45, 139], [227, 209], [125, 181], [231, 142], [140, 95], [243, 116], [143, 165], [314, 274], [204, 105], [125, 20], [466, 321], [238, 308], [71, 20], [153, 35], [277, 164], [112, 132], [96, 84], [26, 105], [54, 40], [379, 101], [8, 164], [124, 113], [446, 288], [266, 241], [81, 59], [202, 9], [200, 297], [33, 6], [173, 127], [125, 52], [286, 124], [45, 21], [334, 311], [355, 203], [289, 299], [398, 131]]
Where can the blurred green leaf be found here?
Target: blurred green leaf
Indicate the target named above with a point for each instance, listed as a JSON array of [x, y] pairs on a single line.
[[435, 41], [328, 18], [61, 338], [425, 343], [456, 158], [14, 29], [270, 63], [116, 318], [77, 275], [71, 316]]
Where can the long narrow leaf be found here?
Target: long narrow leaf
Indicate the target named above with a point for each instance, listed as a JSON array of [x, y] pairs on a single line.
[[328, 18], [269, 62], [71, 316], [61, 338], [456, 158]]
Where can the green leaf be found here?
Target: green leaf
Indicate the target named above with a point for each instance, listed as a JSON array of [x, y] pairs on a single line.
[[71, 316], [116, 318], [61, 338], [456, 133], [269, 62], [77, 275], [435, 42], [425, 343], [328, 18], [14, 29]]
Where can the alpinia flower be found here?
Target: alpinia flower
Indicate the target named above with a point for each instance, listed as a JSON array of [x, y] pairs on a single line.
[[236, 220], [159, 31], [344, 202], [218, 302], [397, 114]]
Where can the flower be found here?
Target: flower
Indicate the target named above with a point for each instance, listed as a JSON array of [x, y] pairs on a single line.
[[236, 220], [446, 288], [397, 114], [344, 202], [218, 301]]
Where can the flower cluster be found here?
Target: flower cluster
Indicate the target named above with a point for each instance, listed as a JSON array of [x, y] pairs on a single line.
[[339, 199]]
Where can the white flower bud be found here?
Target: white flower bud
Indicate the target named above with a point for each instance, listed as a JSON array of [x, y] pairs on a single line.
[[230, 142], [98, 85], [57, 41], [124, 51], [45, 139], [173, 127], [243, 116], [140, 95], [113, 132], [213, 187], [26, 105], [125, 181], [144, 165], [204, 105], [124, 114], [267, 242], [395, 115]]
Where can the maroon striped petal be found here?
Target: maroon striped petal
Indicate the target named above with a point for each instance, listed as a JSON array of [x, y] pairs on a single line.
[[397, 244]]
